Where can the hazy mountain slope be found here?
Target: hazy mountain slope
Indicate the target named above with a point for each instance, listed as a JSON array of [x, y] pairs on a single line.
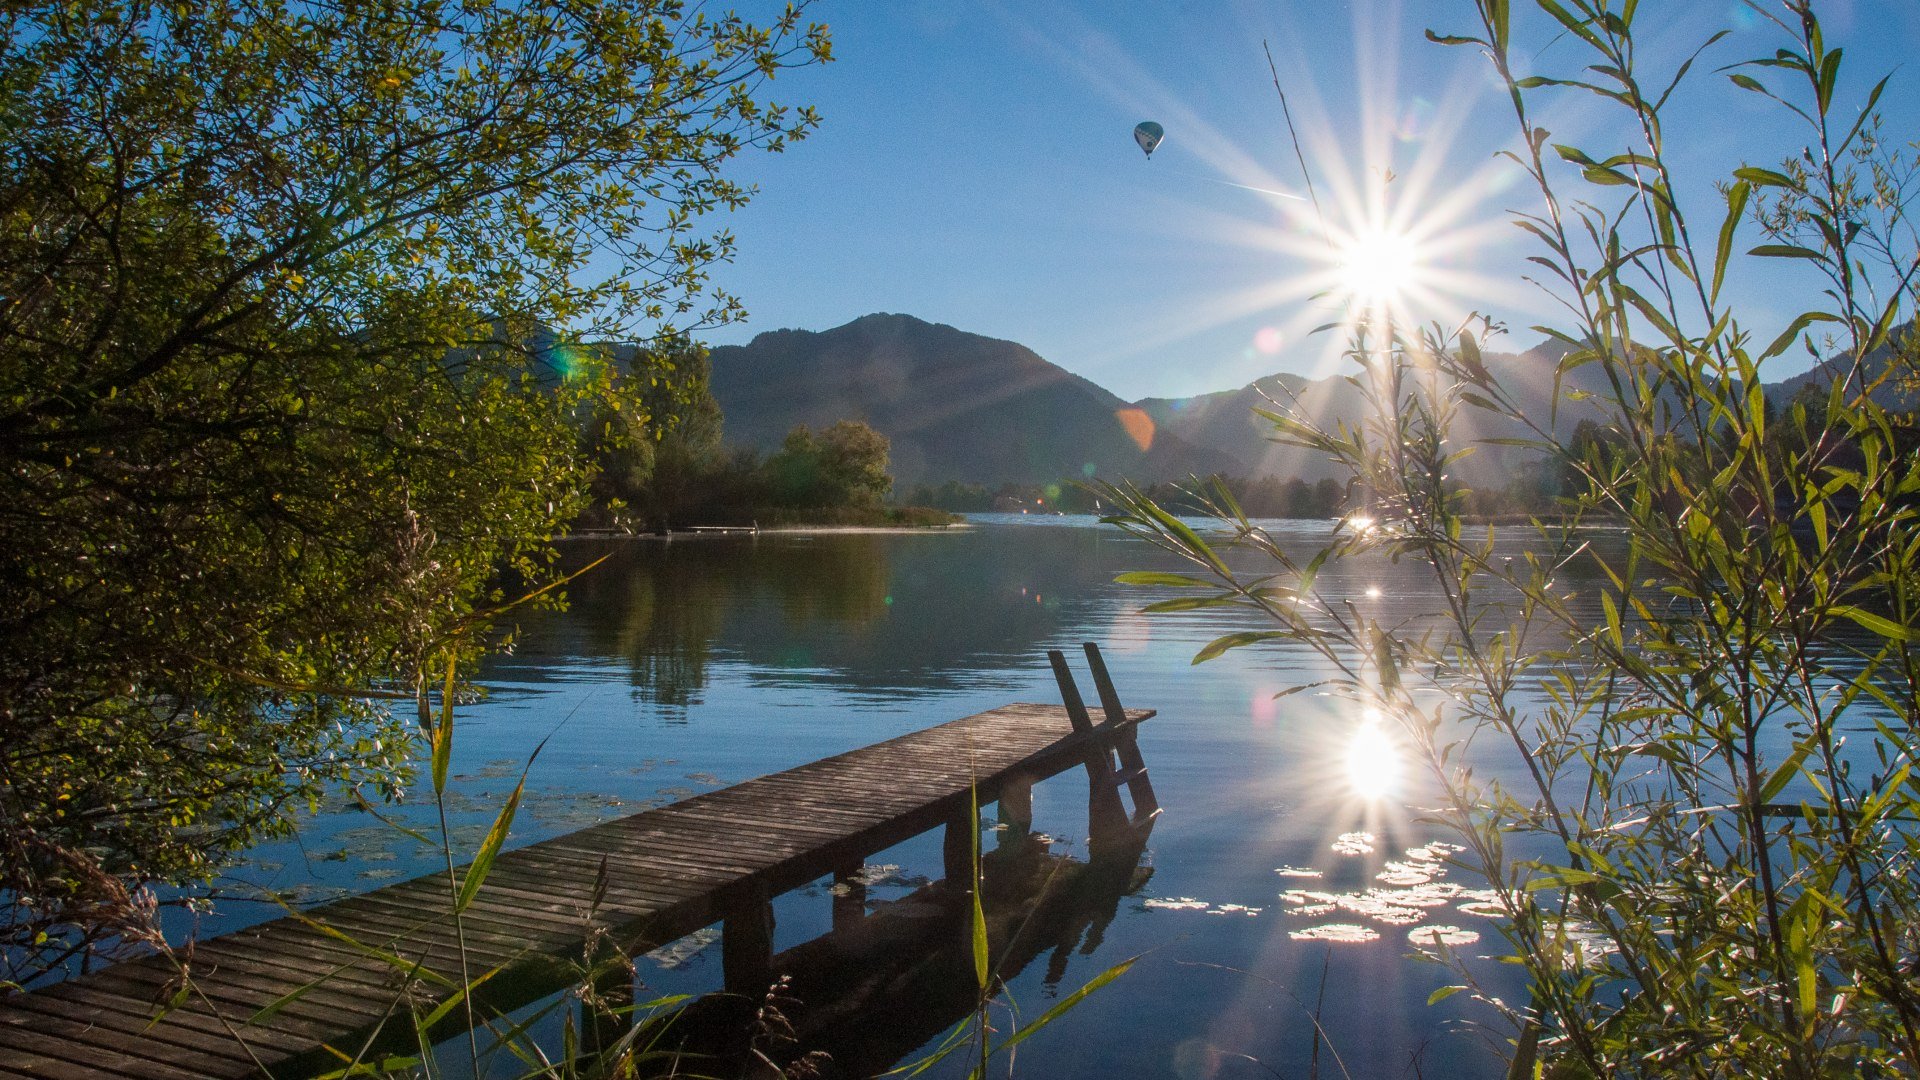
[[956, 405], [1225, 420], [1894, 392]]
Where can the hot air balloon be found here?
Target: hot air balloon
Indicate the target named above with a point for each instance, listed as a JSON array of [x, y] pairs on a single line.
[[1148, 134]]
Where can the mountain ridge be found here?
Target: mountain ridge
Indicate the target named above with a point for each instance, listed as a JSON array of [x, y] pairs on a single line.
[[976, 409], [955, 405]]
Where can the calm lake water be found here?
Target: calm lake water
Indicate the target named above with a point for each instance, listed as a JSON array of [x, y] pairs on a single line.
[[684, 665]]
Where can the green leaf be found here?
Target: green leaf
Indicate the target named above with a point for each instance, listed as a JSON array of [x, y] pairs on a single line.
[[386, 1066], [1737, 197], [1226, 642], [1785, 251], [1786, 339], [1764, 177], [1443, 994], [1067, 1003], [982, 964], [1613, 618], [1560, 878], [1155, 577], [442, 1010], [1189, 539], [1526, 1054], [476, 871], [1189, 603], [442, 742], [1877, 624], [1784, 774]]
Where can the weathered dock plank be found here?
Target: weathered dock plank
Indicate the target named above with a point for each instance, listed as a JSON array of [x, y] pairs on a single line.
[[661, 874]]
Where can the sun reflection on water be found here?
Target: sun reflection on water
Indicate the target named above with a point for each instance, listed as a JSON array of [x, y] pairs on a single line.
[[1373, 759]]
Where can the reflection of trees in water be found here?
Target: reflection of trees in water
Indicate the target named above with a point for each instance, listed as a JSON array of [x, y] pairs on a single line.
[[879, 612], [667, 638], [820, 583], [661, 621], [664, 607], [950, 607]]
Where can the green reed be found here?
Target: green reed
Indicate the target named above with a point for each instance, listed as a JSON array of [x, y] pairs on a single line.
[[1707, 861]]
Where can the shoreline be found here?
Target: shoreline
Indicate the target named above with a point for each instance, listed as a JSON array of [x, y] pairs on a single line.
[[710, 532]]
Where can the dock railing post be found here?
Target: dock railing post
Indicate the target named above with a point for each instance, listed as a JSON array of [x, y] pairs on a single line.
[[1126, 742], [1106, 817]]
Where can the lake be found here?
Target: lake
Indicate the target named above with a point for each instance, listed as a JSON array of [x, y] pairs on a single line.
[[685, 664]]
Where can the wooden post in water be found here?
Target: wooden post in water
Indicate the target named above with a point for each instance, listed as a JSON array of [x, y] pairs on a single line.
[[849, 895], [746, 944], [956, 849], [1016, 807]]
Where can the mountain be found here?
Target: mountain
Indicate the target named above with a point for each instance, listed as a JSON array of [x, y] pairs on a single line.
[[1891, 389], [1225, 420], [960, 406], [956, 406]]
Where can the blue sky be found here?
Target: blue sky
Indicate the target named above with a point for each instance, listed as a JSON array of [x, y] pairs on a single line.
[[975, 167]]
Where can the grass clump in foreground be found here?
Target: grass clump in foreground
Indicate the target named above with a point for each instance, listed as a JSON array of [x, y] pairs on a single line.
[[1705, 855]]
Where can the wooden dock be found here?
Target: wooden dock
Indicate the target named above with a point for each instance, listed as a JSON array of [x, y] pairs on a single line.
[[635, 882]]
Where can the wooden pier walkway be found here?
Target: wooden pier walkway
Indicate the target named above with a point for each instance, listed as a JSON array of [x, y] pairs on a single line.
[[636, 882]]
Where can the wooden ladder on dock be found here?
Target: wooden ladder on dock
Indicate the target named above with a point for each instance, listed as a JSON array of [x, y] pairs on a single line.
[[352, 972]]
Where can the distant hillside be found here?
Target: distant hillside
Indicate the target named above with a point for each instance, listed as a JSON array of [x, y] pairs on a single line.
[[1892, 393], [957, 406], [1224, 420], [960, 406]]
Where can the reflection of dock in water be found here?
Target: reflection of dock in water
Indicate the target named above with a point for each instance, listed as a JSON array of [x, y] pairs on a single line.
[[284, 997], [887, 981]]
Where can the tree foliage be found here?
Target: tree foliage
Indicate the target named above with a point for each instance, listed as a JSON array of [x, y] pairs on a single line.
[[655, 457], [276, 403], [1691, 780], [844, 464]]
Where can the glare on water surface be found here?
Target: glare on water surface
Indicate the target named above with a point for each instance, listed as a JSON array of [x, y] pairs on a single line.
[[1372, 759]]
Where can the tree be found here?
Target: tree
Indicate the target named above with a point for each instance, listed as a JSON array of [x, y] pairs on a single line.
[[660, 456], [853, 464], [844, 465], [1702, 838], [275, 401]]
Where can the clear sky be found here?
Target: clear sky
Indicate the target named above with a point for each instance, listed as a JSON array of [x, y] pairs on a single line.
[[976, 167]]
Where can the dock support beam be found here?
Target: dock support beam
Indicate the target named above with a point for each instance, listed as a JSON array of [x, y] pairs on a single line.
[[1016, 808], [849, 896], [957, 847], [746, 945]]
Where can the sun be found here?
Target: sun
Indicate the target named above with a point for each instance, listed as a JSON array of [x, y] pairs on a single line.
[[1377, 268]]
